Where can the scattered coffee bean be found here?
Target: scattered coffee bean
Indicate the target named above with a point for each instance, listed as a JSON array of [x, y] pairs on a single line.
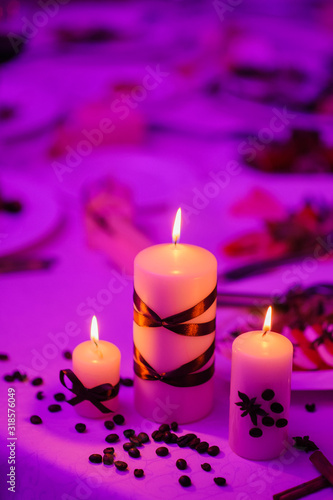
[[119, 419], [21, 377], [9, 378], [138, 472], [174, 426], [220, 481], [59, 396], [54, 408], [112, 438], [213, 451], [181, 464], [194, 443], [183, 441], [109, 425], [67, 354], [143, 437], [37, 381], [164, 427], [108, 458], [127, 446], [95, 458], [120, 465], [134, 453], [80, 427], [167, 438], [128, 433], [4, 357], [35, 419], [136, 441], [202, 447], [40, 395], [207, 467], [157, 436], [173, 438], [162, 451], [185, 481], [109, 450], [127, 382], [310, 408]]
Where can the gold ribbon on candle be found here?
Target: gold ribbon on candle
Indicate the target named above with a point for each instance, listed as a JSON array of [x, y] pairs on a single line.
[[96, 395], [186, 375], [145, 316]]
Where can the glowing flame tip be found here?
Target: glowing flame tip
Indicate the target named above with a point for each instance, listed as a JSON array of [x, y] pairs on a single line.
[[268, 320], [94, 330], [176, 226]]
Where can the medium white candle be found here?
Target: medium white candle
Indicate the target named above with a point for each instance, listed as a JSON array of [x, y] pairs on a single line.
[[171, 278], [260, 388], [96, 362]]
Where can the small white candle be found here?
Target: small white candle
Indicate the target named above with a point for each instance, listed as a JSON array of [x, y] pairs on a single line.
[[171, 278], [261, 369], [96, 362]]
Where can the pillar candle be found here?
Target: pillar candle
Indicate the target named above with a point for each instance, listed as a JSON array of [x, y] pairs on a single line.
[[171, 278], [96, 362], [260, 393]]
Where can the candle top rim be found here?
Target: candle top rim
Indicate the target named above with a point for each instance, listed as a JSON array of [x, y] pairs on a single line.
[[176, 259], [255, 343]]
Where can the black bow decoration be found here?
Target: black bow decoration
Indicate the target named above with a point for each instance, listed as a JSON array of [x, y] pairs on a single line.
[[182, 376], [95, 395], [145, 316]]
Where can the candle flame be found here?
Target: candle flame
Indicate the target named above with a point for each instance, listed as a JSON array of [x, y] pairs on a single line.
[[94, 331], [176, 226], [268, 320]]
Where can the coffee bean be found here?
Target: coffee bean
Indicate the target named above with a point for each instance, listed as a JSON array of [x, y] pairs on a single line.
[[67, 354], [173, 438], [128, 433], [157, 436], [109, 425], [112, 438], [120, 465], [127, 382], [4, 357], [277, 408], [80, 427], [138, 472], [143, 437], [59, 396], [268, 394], [134, 453], [37, 381], [35, 419], [108, 458], [109, 450], [119, 419], [207, 467], [310, 407], [136, 441], [220, 481], [268, 421], [194, 443], [162, 451], [95, 458], [167, 438], [54, 408], [281, 422], [40, 395], [185, 481], [174, 426], [127, 446], [21, 377], [181, 464], [255, 432], [164, 427], [202, 447], [183, 441], [9, 378], [213, 451]]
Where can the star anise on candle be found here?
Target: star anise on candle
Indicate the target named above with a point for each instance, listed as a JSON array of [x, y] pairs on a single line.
[[250, 407], [304, 444]]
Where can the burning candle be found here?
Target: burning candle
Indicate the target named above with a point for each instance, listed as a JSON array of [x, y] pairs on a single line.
[[260, 393], [96, 362], [173, 340]]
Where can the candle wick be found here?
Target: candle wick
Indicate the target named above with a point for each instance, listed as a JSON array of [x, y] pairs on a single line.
[[264, 332]]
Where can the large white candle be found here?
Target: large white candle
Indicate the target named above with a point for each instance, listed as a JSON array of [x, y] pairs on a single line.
[[96, 362], [260, 393], [171, 278]]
